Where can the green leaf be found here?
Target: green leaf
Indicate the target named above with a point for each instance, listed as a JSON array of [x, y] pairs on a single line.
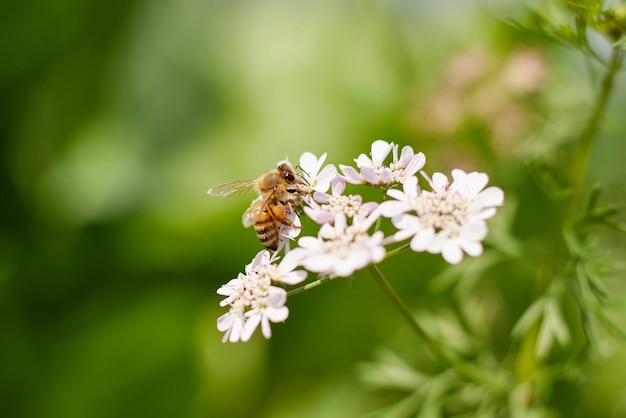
[[530, 317]]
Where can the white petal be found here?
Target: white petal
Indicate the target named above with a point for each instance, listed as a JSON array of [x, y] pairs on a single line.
[[310, 164], [290, 261], [319, 263], [248, 328], [451, 252], [406, 221], [439, 182], [391, 208], [417, 163], [266, 329], [474, 231], [294, 277], [472, 248], [325, 178], [309, 243], [421, 240], [377, 254], [482, 214], [476, 182], [436, 243], [397, 194], [492, 196], [380, 150], [277, 314]]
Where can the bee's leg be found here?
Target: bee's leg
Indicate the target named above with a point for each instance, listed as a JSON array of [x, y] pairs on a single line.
[[278, 213]]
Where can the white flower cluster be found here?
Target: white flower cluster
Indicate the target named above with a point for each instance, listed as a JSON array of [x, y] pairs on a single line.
[[253, 300], [449, 219]]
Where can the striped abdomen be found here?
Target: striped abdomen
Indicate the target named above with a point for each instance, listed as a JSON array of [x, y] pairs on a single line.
[[266, 229]]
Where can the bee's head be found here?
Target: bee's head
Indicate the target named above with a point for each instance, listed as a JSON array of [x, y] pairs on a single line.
[[295, 183]]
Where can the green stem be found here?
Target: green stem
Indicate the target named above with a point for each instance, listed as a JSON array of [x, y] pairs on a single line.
[[462, 368], [580, 158], [324, 279], [310, 285]]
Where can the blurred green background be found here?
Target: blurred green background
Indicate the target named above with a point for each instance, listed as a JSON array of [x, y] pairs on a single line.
[[117, 116]]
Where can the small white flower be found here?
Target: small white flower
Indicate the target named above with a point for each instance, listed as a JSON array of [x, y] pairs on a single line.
[[323, 208], [404, 201], [341, 249], [450, 219], [311, 166], [253, 300], [374, 171], [288, 233]]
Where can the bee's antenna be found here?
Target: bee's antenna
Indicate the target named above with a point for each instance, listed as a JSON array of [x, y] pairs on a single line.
[[305, 173]]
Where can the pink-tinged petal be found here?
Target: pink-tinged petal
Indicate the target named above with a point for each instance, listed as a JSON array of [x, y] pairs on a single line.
[[416, 163], [370, 175], [386, 176], [406, 155], [368, 207], [262, 257], [225, 321], [319, 216], [276, 296], [338, 185], [380, 150], [351, 175], [321, 197], [452, 253]]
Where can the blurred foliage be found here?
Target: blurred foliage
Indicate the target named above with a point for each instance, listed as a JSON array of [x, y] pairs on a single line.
[[116, 117]]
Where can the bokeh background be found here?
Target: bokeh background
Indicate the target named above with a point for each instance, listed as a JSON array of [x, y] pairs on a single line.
[[117, 116]]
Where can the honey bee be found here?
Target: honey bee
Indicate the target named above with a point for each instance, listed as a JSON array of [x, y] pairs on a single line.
[[279, 189]]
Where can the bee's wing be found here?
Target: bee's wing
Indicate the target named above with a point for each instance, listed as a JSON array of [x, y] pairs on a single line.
[[233, 188], [257, 206]]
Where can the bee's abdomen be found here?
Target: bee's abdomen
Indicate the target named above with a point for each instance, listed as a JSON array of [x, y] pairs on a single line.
[[267, 231]]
